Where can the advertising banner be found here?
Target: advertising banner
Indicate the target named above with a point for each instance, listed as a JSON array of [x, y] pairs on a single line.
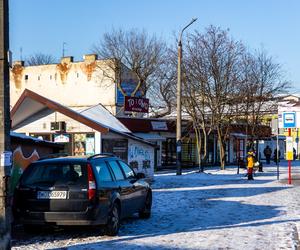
[[136, 104], [128, 87]]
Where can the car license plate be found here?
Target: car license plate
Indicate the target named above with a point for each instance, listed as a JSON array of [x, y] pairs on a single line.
[[41, 195]]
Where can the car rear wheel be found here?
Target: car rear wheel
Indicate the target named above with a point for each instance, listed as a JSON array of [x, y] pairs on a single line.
[[145, 213], [113, 223]]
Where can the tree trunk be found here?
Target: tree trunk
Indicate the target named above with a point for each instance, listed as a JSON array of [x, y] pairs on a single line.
[[222, 149], [199, 147]]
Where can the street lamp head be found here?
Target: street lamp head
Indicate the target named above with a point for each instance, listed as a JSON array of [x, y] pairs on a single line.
[[194, 20], [180, 36]]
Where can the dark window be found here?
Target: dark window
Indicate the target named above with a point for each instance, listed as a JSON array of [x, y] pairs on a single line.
[[43, 174], [117, 170], [117, 147], [26, 77], [39, 78], [102, 172], [127, 170]]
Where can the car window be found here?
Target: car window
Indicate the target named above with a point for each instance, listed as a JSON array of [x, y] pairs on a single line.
[[102, 171], [127, 170], [116, 170], [50, 174]]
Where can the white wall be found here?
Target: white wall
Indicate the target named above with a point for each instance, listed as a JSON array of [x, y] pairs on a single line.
[[76, 88], [139, 152]]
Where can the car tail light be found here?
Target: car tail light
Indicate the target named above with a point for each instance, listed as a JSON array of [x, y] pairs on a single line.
[[92, 182]]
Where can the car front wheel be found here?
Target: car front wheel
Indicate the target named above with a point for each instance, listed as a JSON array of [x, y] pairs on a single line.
[[113, 222], [145, 213]]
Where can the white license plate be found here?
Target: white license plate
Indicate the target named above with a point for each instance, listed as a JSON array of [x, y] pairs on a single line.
[[41, 195]]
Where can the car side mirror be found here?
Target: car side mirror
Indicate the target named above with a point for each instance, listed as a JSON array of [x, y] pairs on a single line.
[[140, 175]]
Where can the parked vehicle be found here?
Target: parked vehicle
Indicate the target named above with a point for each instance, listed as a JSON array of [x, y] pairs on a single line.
[[97, 190]]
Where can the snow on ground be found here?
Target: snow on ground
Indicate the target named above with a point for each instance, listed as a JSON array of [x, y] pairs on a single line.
[[212, 210]]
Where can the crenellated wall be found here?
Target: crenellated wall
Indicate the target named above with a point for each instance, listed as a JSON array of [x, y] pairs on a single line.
[[74, 84]]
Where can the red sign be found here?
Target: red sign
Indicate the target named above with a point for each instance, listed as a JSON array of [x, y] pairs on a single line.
[[136, 104]]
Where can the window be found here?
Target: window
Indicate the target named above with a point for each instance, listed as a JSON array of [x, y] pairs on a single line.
[[102, 172], [117, 170], [52, 174], [26, 77], [127, 170]]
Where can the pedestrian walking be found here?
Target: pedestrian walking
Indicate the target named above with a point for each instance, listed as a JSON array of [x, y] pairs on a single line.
[[268, 153], [250, 165]]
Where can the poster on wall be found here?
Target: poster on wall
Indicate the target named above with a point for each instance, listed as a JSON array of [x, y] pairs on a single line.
[[79, 144], [90, 145], [128, 86]]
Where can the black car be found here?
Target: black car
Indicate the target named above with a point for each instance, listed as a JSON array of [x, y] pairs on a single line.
[[97, 190]]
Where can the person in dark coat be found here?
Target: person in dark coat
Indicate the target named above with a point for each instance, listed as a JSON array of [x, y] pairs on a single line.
[[268, 153]]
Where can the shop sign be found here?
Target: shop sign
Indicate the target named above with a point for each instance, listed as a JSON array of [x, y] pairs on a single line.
[[62, 138], [159, 125], [136, 104]]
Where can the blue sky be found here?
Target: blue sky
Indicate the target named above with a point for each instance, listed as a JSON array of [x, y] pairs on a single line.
[[43, 25]]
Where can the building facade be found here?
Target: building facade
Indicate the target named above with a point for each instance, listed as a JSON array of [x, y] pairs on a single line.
[[75, 84]]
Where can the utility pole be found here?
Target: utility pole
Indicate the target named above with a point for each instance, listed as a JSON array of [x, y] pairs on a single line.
[[179, 93], [5, 163]]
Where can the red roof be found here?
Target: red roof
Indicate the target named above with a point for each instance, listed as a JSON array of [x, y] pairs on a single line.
[[145, 125]]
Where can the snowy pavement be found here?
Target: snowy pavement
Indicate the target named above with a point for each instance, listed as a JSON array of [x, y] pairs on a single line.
[[212, 210]]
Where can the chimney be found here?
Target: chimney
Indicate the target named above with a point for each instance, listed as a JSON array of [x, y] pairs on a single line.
[[19, 63], [90, 58], [66, 59]]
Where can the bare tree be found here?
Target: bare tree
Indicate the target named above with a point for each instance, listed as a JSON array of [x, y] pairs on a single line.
[[39, 59], [263, 81], [213, 65], [162, 91], [135, 51]]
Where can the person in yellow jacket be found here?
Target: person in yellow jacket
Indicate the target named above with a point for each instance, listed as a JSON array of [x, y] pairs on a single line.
[[250, 165]]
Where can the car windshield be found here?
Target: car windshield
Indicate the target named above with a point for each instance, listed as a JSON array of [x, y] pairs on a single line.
[[51, 174]]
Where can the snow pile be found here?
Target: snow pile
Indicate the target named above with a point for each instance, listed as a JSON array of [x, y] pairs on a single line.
[[212, 210]]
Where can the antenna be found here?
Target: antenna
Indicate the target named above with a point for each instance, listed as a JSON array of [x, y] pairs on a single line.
[[21, 53], [63, 49]]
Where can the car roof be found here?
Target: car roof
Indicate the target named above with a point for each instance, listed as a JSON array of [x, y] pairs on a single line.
[[78, 159]]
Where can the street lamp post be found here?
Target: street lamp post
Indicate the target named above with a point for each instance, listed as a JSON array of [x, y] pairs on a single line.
[[178, 120]]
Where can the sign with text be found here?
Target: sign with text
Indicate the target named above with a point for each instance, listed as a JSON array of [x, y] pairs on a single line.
[[157, 125], [136, 104], [289, 148], [62, 138], [289, 119], [288, 116]]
